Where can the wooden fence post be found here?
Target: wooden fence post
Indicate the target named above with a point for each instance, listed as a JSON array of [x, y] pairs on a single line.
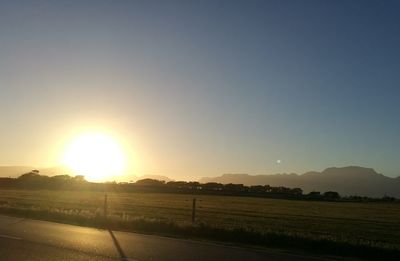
[[194, 211], [105, 206]]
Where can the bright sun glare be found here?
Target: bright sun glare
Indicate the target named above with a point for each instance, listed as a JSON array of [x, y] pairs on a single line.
[[97, 156]]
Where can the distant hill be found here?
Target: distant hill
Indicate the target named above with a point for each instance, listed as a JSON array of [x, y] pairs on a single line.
[[351, 180], [16, 171]]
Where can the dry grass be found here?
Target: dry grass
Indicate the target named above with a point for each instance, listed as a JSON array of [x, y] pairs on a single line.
[[365, 224]]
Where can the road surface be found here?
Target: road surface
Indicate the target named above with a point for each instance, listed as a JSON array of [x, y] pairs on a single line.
[[24, 239]]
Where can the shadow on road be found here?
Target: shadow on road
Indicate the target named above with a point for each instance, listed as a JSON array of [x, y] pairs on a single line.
[[119, 249]]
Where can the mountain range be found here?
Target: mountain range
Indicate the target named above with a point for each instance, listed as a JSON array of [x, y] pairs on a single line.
[[352, 180]]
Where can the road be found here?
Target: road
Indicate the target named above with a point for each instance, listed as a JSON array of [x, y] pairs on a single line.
[[24, 239]]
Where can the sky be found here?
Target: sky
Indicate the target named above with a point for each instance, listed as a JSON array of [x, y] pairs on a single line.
[[202, 88]]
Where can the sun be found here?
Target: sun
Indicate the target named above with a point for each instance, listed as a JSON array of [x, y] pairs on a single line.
[[97, 156]]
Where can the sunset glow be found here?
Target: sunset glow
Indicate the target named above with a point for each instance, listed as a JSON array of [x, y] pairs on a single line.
[[97, 156]]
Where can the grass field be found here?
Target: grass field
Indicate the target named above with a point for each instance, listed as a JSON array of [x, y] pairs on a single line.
[[359, 224]]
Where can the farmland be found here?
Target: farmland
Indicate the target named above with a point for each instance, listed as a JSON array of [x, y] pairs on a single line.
[[358, 224]]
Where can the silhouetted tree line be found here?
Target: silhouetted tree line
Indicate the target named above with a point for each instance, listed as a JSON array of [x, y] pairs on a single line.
[[231, 189], [33, 180]]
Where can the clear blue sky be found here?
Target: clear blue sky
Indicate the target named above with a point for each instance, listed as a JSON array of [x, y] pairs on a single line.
[[201, 88]]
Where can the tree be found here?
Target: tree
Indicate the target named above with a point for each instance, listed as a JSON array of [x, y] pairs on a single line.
[[79, 178], [150, 182], [296, 191], [314, 194], [331, 195]]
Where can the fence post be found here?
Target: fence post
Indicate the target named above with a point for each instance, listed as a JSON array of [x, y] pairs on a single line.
[[105, 207], [194, 211]]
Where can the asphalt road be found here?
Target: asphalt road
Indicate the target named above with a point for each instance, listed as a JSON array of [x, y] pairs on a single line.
[[24, 239]]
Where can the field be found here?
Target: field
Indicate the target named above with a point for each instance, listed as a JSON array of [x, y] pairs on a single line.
[[374, 225]]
